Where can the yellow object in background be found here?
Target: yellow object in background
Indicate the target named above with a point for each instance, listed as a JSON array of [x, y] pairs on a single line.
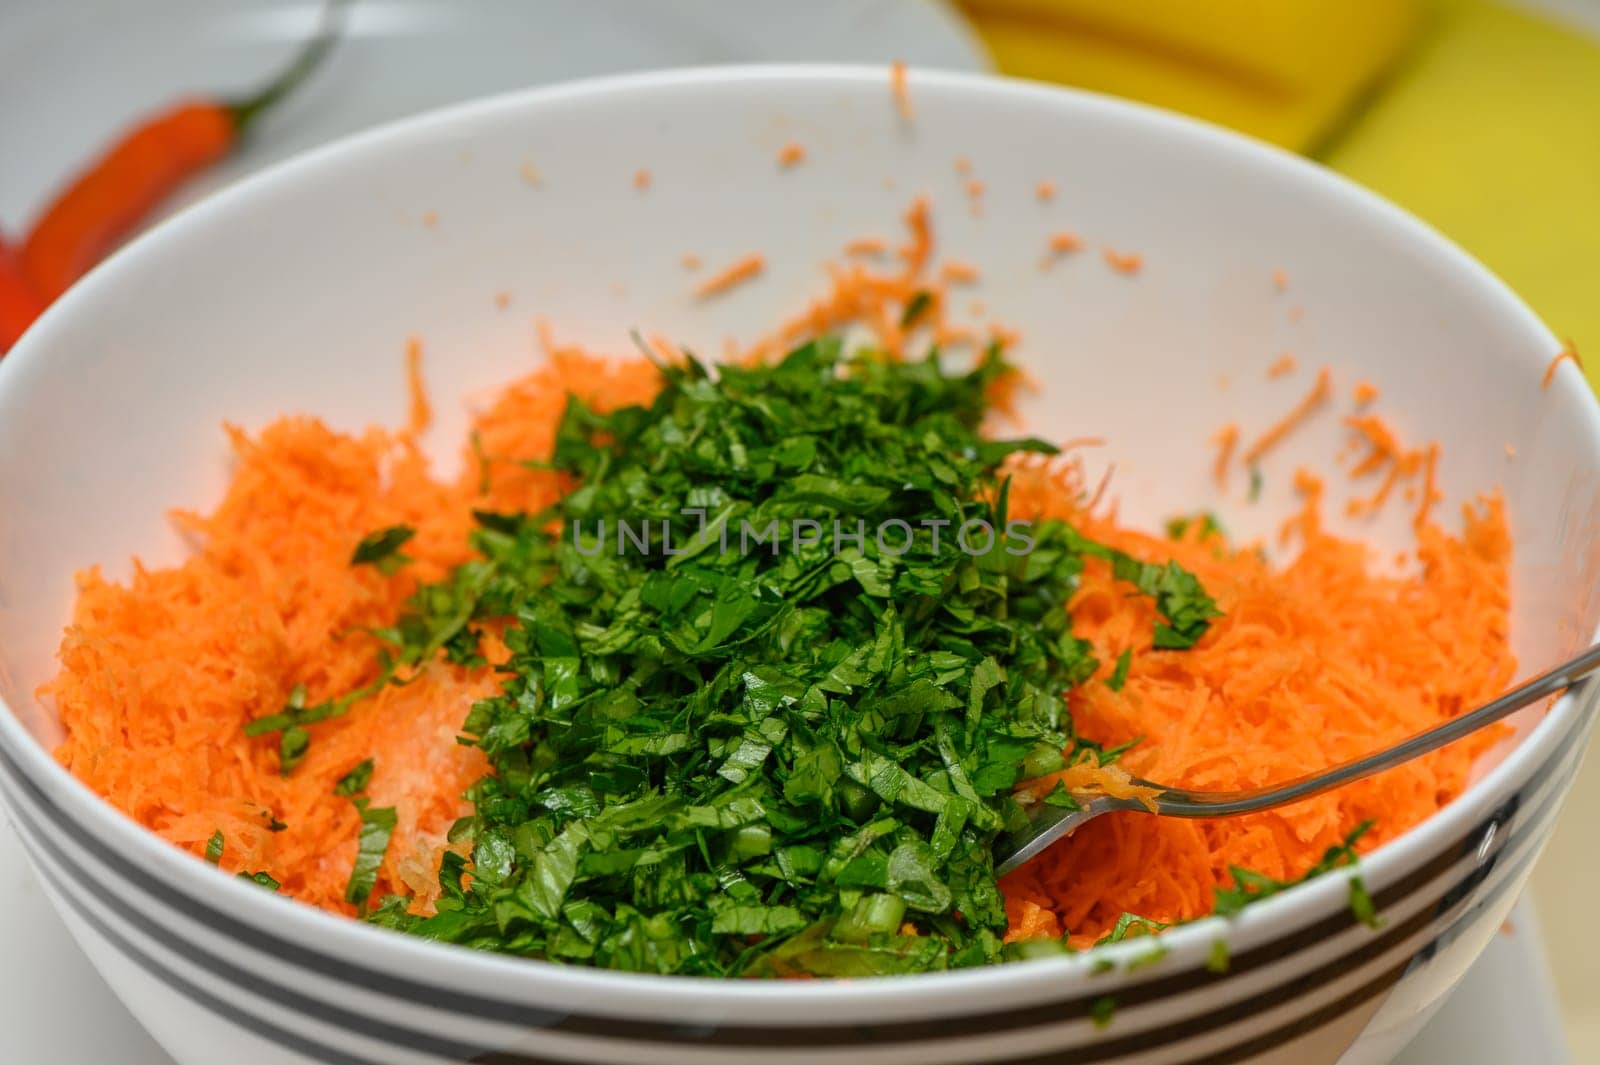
[[1285, 72], [1478, 117], [1491, 132]]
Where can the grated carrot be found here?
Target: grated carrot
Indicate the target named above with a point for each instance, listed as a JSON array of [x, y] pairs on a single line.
[[858, 295], [791, 154], [1308, 523], [1045, 191], [502, 299], [915, 253], [1402, 463], [1311, 664], [866, 246], [1004, 336], [1430, 493], [1226, 439], [159, 674], [1088, 779], [897, 85], [1124, 262], [1280, 280], [420, 414], [1385, 445], [1566, 354], [641, 180], [963, 165], [1283, 364], [735, 273], [1364, 393], [1312, 400], [691, 262], [958, 272], [1064, 241]]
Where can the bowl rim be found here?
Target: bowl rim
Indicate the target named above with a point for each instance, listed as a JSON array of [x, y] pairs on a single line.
[[519, 979]]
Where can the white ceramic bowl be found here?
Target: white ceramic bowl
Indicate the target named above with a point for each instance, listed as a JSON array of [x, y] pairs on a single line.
[[295, 291]]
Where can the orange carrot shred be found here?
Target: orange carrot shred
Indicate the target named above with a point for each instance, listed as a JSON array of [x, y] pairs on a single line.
[[420, 414], [1226, 439], [1365, 392], [866, 246], [691, 262], [897, 85], [1045, 191], [641, 180], [1566, 354], [1065, 241], [1124, 262], [1312, 400], [1385, 445], [736, 273], [1280, 280], [958, 272], [1430, 493], [791, 154], [916, 252], [1283, 364], [1004, 336]]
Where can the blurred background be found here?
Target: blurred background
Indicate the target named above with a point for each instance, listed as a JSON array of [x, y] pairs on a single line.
[[1480, 116]]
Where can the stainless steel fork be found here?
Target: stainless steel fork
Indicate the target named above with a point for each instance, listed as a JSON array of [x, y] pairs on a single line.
[[1048, 823]]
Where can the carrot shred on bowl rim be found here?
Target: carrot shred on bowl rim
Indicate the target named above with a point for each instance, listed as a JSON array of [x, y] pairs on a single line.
[[1569, 353], [1314, 660], [897, 86]]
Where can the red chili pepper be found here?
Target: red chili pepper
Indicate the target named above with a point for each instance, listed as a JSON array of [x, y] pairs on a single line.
[[146, 166], [19, 303]]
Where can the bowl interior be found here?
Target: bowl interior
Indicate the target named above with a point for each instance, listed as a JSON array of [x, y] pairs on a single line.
[[297, 292]]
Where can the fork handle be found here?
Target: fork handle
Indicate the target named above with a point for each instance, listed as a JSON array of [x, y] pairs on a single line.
[[1047, 824], [1180, 802]]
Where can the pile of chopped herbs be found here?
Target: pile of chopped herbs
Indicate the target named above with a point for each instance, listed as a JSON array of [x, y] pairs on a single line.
[[744, 734]]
